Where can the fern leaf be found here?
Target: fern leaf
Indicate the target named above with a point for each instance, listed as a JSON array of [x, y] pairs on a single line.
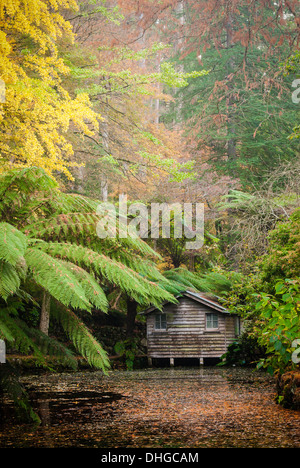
[[5, 333], [13, 244], [22, 342], [128, 280], [55, 278], [93, 291], [185, 279], [50, 347], [17, 187], [81, 228], [9, 280], [143, 265], [82, 339]]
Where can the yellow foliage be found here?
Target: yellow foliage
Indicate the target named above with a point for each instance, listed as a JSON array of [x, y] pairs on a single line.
[[37, 111]]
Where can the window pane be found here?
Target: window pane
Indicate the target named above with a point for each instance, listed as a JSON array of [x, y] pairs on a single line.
[[215, 321], [237, 326], [157, 321], [160, 321], [212, 321]]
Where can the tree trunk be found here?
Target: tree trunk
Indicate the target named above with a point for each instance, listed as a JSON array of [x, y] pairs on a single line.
[[231, 127], [45, 313], [104, 179], [131, 315]]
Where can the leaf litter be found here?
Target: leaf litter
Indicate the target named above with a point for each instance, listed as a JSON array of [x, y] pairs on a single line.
[[158, 408]]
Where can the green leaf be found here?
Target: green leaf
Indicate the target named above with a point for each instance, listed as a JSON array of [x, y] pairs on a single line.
[[10, 280], [13, 244], [82, 338], [52, 275]]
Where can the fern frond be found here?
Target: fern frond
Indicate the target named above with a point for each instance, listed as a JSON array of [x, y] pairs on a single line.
[[173, 287], [10, 280], [55, 278], [141, 264], [22, 342], [24, 181], [128, 280], [74, 203], [50, 347], [81, 228], [17, 188], [213, 282], [237, 200], [31, 341], [219, 282], [5, 333], [65, 227], [138, 245], [93, 291], [185, 279], [82, 339], [13, 244]]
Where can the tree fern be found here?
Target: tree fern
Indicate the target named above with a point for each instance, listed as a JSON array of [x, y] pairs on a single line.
[[49, 239], [28, 340], [145, 265], [18, 206], [212, 282]]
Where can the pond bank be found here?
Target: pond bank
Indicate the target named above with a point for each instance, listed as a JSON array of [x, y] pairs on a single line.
[[288, 390], [189, 408]]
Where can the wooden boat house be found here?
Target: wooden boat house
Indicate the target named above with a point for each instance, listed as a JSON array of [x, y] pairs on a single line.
[[197, 327]]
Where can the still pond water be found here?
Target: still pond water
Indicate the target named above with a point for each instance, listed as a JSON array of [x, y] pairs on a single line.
[[160, 408]]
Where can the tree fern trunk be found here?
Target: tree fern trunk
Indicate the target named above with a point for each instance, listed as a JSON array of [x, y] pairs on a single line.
[[45, 313]]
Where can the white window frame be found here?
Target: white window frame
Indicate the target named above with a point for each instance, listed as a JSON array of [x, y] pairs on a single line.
[[237, 326], [212, 316], [160, 322]]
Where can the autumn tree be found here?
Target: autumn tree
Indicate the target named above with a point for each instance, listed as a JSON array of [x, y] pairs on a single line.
[[37, 111], [126, 80], [243, 109]]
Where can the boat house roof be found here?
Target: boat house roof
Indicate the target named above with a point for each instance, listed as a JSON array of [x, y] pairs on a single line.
[[202, 298]]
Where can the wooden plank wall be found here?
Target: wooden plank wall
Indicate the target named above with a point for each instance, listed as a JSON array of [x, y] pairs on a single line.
[[186, 335]]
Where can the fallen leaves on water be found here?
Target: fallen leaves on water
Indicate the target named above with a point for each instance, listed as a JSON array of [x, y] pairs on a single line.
[[189, 408]]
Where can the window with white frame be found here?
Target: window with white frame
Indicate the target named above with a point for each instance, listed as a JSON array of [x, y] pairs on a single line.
[[160, 322], [212, 321]]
